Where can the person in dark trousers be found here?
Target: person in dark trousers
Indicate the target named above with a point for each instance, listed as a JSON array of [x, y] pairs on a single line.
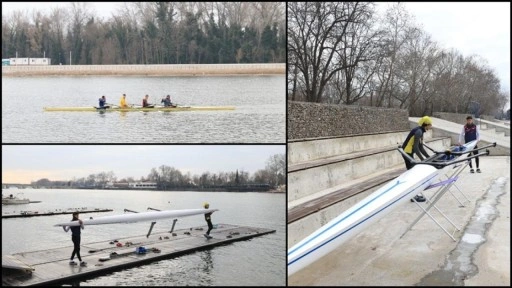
[[208, 218], [413, 144], [469, 133], [75, 237]]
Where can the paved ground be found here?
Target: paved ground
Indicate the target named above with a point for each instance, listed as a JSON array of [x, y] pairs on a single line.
[[426, 255]]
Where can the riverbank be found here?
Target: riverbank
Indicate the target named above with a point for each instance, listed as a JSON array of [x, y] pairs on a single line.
[[146, 70]]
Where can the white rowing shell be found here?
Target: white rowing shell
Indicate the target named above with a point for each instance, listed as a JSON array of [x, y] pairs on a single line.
[[360, 216], [136, 217]]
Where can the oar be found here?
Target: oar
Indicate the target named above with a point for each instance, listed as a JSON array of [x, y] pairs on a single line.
[[112, 105], [106, 104]]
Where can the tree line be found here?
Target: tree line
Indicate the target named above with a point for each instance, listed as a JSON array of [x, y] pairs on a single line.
[[150, 33], [345, 53], [169, 178]]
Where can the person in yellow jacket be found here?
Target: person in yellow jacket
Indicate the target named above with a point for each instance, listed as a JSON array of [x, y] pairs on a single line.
[[413, 144], [122, 102], [208, 218]]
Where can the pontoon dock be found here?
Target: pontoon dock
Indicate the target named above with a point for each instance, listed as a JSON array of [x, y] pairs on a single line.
[[51, 266]]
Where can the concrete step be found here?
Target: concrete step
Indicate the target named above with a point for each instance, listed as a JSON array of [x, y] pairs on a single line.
[[307, 178], [489, 130], [320, 148]]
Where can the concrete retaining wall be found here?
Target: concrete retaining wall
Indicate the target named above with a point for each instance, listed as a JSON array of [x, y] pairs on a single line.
[[314, 120], [153, 70], [460, 118]]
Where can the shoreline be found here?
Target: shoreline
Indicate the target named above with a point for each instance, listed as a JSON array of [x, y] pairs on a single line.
[[146, 70]]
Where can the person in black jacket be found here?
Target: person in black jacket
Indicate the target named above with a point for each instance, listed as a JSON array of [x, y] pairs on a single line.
[[208, 218], [413, 144], [75, 237]]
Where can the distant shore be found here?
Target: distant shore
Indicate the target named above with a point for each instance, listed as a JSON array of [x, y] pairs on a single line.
[[146, 70]]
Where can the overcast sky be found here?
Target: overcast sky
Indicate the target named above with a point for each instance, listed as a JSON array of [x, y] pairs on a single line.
[[26, 163], [481, 28], [102, 9]]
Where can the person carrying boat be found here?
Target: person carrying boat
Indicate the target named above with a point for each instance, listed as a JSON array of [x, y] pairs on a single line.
[[75, 237], [413, 144], [469, 133], [145, 102], [103, 102], [167, 101], [208, 218], [122, 102]]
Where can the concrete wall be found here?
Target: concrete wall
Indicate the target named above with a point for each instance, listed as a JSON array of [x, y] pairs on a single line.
[[314, 120], [452, 117], [170, 69], [460, 118]]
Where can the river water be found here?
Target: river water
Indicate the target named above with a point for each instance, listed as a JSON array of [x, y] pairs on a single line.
[[259, 115], [259, 261]]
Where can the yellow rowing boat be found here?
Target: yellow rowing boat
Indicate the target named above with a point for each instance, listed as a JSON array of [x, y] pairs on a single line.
[[143, 109]]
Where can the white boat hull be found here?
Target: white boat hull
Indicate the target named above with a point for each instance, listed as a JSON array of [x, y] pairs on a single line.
[[9, 201], [360, 216], [138, 217]]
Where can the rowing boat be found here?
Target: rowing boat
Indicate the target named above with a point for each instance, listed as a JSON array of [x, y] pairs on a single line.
[[135, 109], [375, 206], [138, 217]]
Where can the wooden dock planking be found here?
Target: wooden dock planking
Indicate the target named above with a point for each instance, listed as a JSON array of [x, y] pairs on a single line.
[[52, 265]]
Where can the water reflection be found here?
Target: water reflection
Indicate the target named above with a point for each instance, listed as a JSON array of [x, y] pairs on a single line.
[[206, 256]]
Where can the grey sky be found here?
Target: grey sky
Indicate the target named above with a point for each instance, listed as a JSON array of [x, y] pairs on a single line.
[[102, 9], [481, 28], [26, 163]]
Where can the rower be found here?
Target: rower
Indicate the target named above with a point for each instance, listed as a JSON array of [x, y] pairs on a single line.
[[103, 102], [145, 102], [167, 102], [122, 102]]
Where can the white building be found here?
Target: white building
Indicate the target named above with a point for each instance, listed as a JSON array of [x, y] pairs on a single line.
[[29, 61], [143, 185]]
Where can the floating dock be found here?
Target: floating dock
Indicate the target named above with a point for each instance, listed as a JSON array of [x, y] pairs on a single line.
[[50, 213], [51, 266]]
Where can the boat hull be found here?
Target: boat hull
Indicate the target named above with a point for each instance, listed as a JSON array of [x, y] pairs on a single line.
[[360, 216], [140, 109], [137, 217], [15, 201]]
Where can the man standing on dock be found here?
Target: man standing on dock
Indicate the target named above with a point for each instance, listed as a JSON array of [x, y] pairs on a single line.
[[469, 133], [75, 237], [208, 218]]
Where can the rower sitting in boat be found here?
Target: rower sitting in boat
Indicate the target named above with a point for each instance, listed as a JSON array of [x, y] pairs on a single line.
[[167, 102], [122, 102], [103, 102], [145, 103]]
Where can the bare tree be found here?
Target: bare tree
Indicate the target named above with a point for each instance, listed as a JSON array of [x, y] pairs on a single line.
[[316, 31]]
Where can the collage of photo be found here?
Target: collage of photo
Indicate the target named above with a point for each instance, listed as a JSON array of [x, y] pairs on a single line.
[[255, 144]]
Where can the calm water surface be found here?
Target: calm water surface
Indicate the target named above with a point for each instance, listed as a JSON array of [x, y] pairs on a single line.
[[259, 261], [259, 116]]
